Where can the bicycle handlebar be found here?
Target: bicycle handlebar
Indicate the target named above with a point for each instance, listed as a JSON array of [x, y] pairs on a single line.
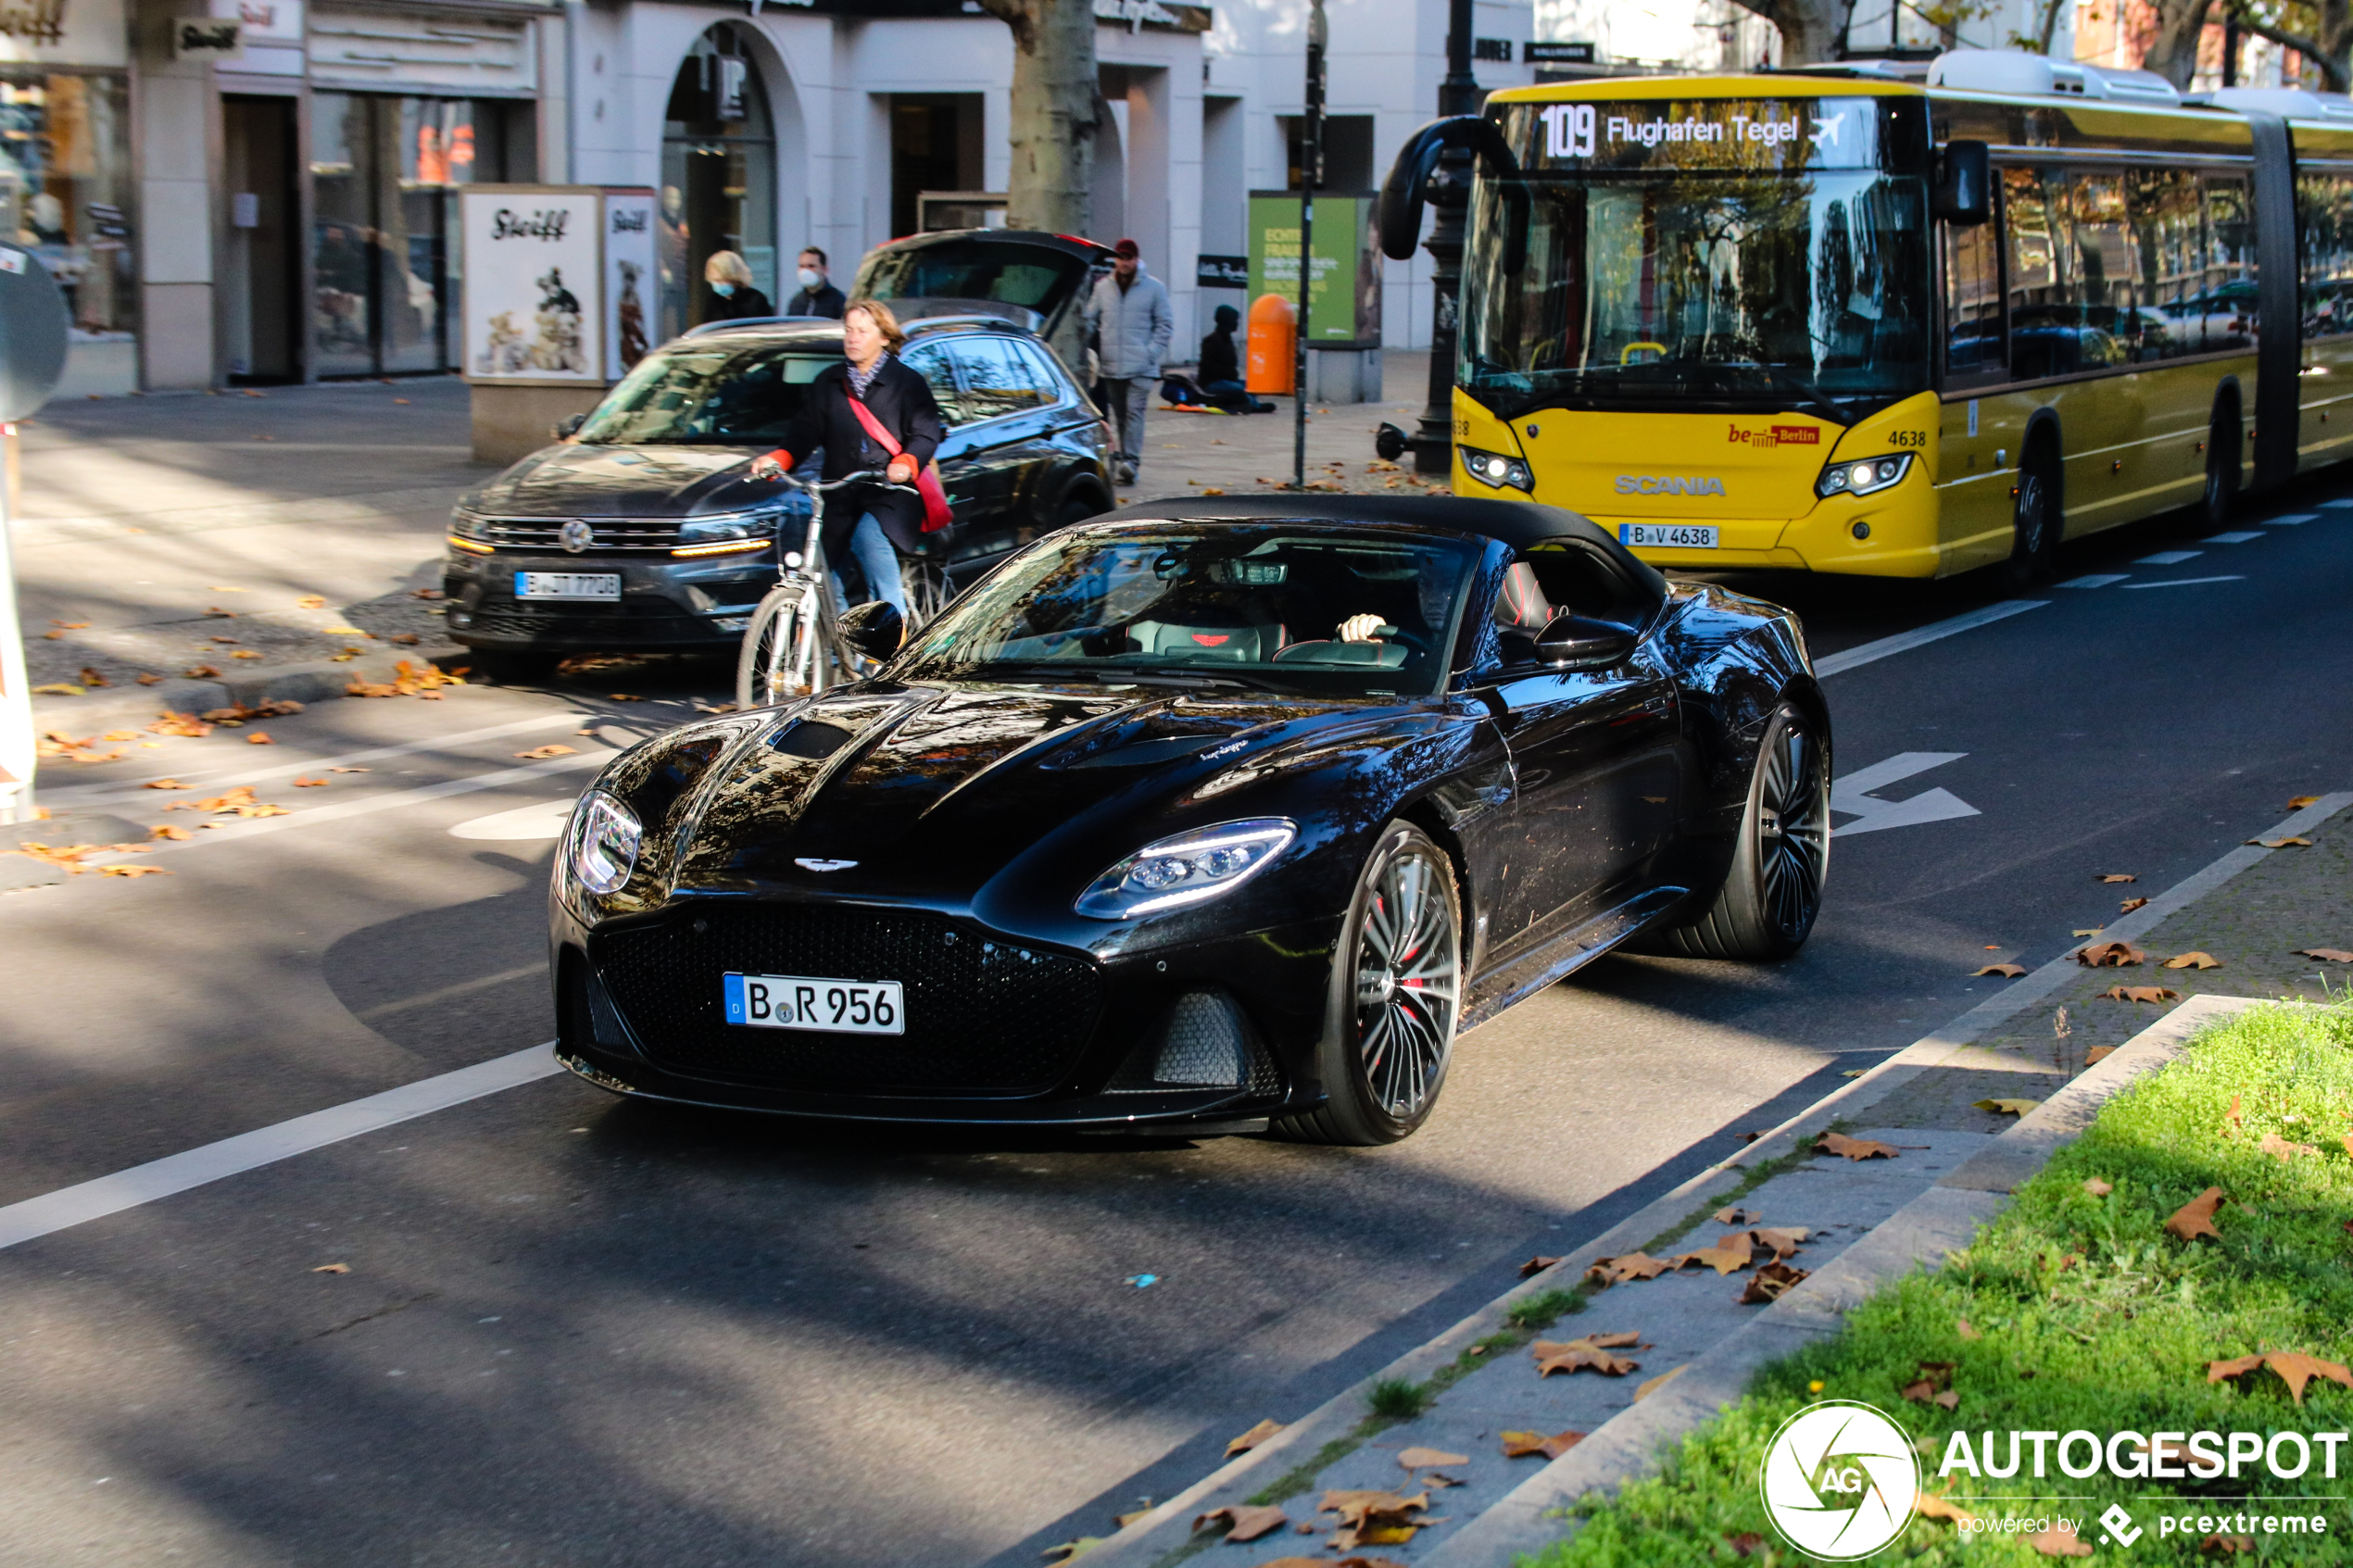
[[877, 477]]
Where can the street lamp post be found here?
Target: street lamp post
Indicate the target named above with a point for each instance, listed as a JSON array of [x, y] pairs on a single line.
[[1310, 174], [1450, 193]]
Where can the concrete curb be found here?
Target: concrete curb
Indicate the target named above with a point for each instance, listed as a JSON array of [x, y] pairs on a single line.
[[316, 681], [1167, 1527], [1942, 1220]]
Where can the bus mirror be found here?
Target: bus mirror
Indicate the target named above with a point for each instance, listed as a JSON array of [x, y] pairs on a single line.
[[1964, 183]]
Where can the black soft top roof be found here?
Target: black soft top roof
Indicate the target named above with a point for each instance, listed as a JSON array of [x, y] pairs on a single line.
[[1520, 524]]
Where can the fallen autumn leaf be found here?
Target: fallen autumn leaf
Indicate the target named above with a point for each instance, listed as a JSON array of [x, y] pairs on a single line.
[[2156, 995], [1524, 1444], [2097, 1187], [2193, 960], [1252, 1437], [2332, 955], [2109, 955], [1244, 1523], [2195, 1217], [1855, 1148], [2007, 971], [2281, 843], [540, 752], [2008, 1107]]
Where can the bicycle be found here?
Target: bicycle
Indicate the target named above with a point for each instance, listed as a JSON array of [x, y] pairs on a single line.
[[793, 645]]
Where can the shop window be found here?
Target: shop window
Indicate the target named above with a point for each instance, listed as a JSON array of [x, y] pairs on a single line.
[[935, 145], [65, 189], [718, 177]]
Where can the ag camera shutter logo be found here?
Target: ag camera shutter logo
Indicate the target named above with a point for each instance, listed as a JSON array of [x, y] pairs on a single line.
[[1839, 1480]]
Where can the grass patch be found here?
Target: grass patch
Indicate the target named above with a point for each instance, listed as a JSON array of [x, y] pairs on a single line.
[[1395, 1399], [2092, 1317], [1545, 1308]]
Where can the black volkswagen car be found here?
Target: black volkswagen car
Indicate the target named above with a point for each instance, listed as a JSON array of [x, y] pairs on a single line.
[[641, 531], [1207, 814]]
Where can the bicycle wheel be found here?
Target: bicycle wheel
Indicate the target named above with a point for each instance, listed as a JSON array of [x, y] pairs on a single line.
[[927, 590], [777, 660]]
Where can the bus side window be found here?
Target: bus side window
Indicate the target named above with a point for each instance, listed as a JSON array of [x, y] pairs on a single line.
[[2164, 204], [2107, 268], [2226, 297], [1974, 351], [2324, 219], [2045, 315]]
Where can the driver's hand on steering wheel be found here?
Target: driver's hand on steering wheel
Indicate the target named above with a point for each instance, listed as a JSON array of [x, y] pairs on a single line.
[[1360, 628], [901, 470], [771, 465]]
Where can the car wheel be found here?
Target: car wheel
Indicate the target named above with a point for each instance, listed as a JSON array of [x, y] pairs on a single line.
[[1396, 992], [1773, 891], [1077, 508], [2034, 534], [773, 666], [517, 668]]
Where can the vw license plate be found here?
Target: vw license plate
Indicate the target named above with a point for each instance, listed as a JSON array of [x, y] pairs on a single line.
[[568, 585], [1666, 535], [801, 1001]]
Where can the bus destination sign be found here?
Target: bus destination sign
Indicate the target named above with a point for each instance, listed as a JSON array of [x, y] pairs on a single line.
[[1746, 134]]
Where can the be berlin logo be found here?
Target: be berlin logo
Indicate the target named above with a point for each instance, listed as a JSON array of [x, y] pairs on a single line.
[[1841, 1481]]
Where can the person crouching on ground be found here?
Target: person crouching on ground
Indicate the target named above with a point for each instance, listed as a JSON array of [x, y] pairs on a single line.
[[1129, 319], [1221, 368], [867, 523]]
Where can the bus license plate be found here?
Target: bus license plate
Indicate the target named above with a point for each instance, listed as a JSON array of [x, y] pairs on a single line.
[[1666, 535], [603, 585], [802, 1001]]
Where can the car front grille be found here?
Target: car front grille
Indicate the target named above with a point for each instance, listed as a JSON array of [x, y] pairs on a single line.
[[635, 621], [545, 535], [983, 1015]]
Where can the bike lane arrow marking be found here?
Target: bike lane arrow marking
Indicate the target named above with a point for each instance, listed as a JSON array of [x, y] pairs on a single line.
[[1852, 795]]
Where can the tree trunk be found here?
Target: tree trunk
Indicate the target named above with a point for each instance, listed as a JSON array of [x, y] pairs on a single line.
[[2329, 45], [1810, 30], [2172, 49], [1055, 91]]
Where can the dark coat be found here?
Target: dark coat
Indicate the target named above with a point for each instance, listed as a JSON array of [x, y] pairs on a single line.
[[1218, 361], [744, 304], [826, 300], [902, 401]]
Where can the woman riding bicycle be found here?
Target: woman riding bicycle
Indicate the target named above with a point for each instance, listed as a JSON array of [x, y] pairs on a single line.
[[901, 402]]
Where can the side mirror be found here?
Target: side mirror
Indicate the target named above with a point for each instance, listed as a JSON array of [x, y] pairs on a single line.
[[873, 629], [567, 427], [1963, 191], [1576, 642]]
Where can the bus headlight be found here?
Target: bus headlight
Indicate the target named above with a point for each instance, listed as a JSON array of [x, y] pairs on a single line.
[[1862, 475], [1496, 470]]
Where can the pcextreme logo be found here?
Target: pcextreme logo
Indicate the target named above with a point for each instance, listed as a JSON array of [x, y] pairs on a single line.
[[1839, 1480]]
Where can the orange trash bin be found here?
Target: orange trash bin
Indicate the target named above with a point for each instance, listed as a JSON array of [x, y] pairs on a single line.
[[1274, 337]]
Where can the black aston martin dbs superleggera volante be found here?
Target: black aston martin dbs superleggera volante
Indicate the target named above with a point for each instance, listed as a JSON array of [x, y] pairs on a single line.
[[1203, 814]]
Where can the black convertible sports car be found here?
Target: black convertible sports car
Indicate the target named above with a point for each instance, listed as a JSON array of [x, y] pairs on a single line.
[[1206, 814]]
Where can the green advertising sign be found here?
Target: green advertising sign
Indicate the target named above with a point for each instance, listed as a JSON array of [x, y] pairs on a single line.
[[1344, 298]]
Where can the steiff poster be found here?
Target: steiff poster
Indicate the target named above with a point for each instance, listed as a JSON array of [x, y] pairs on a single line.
[[631, 288], [534, 283]]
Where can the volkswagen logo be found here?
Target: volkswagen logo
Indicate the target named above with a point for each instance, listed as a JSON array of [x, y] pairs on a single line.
[[576, 536]]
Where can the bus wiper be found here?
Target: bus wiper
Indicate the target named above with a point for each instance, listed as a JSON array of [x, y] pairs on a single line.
[[1837, 412]]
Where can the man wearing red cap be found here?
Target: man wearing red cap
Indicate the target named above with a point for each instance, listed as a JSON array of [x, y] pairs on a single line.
[[1128, 318]]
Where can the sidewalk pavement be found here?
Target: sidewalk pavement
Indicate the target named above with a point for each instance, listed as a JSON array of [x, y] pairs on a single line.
[[1248, 454], [1701, 1334]]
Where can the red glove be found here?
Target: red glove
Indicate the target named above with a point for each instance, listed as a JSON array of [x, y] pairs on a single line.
[[901, 470], [772, 465]]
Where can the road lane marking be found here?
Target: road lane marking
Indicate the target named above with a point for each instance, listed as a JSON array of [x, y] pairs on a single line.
[[2097, 579], [2340, 504], [96, 1200], [2168, 558], [2237, 536], [2184, 581], [1903, 642], [1852, 795], [541, 819], [115, 794], [2292, 519], [450, 993]]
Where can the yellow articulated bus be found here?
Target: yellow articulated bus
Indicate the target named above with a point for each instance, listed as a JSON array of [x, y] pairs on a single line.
[[1847, 322]]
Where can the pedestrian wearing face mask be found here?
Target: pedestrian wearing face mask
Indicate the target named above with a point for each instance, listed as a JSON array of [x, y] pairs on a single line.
[[817, 296], [728, 294]]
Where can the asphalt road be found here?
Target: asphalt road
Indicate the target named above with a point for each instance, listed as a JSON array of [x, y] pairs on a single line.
[[577, 1332]]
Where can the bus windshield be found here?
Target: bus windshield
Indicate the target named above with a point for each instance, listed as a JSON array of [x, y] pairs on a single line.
[[1684, 288]]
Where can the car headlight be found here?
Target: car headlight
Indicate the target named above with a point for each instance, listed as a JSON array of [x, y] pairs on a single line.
[[1860, 476], [465, 524], [600, 845], [736, 525], [1188, 869], [1495, 469]]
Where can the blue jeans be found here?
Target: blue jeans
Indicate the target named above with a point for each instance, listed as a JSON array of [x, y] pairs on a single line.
[[871, 550]]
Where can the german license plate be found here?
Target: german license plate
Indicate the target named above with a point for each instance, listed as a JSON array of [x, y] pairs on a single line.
[[1666, 535], [568, 585], [802, 1001]]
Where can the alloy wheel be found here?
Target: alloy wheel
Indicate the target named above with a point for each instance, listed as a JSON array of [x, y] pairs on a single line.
[[1408, 964], [1794, 830]]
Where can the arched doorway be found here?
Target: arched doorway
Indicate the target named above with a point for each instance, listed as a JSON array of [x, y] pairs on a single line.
[[718, 174]]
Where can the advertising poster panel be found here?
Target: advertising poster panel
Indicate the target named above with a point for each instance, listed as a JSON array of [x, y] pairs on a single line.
[[631, 287], [534, 276], [1344, 301]]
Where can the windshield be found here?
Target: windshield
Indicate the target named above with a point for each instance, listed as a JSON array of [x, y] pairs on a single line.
[[1716, 254], [1253, 605], [706, 397], [1035, 277]]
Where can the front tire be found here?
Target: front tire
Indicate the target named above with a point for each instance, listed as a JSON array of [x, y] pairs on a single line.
[[1394, 998], [1773, 892], [772, 666]]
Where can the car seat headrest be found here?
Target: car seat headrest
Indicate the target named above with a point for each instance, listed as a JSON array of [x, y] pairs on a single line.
[[1521, 606]]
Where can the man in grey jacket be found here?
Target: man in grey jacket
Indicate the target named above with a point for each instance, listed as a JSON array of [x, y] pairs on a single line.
[[1128, 318]]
